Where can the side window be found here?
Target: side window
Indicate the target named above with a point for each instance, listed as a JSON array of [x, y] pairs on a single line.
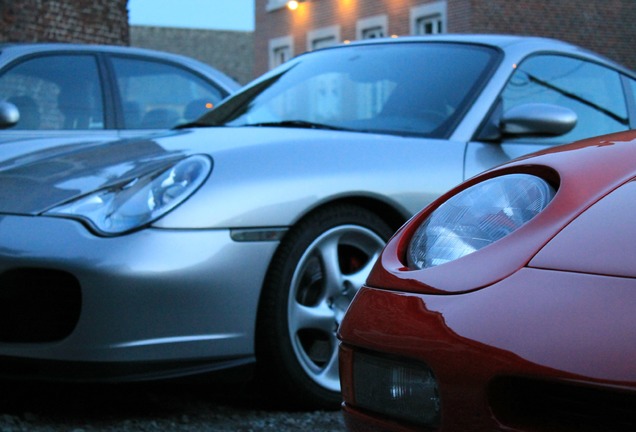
[[631, 89], [157, 95], [55, 92], [592, 91]]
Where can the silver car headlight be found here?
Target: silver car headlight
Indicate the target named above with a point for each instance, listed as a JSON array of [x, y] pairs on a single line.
[[477, 217], [123, 208]]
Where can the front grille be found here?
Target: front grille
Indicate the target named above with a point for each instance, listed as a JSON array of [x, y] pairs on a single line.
[[38, 305], [532, 404]]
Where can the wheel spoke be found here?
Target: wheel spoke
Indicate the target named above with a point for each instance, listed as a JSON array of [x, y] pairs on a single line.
[[328, 250], [332, 267], [330, 371], [319, 317], [357, 279]]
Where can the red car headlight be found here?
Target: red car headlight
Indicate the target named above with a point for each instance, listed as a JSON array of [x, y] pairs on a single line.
[[477, 217]]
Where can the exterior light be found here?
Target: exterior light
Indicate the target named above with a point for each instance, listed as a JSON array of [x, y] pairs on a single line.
[[293, 4]]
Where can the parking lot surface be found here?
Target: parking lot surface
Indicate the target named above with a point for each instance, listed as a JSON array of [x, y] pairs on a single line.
[[157, 407]]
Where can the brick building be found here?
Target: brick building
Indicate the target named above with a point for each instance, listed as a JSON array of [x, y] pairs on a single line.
[[228, 51], [604, 26], [106, 22], [91, 21]]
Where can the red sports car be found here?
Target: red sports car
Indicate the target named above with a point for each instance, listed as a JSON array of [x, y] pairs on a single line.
[[507, 304]]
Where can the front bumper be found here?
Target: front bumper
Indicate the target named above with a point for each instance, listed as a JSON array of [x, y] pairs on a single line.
[[540, 350], [155, 297]]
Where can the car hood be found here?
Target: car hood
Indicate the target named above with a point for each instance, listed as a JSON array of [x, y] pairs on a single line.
[[34, 182], [304, 165]]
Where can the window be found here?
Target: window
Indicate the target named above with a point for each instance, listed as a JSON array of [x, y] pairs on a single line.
[[275, 4], [280, 50], [404, 89], [592, 91], [323, 37], [631, 85], [49, 98], [429, 18], [373, 33], [429, 25], [159, 95], [372, 27]]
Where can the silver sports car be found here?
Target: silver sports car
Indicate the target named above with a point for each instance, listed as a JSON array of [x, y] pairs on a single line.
[[239, 240]]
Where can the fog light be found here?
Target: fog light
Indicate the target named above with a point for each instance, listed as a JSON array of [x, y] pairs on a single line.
[[400, 389]]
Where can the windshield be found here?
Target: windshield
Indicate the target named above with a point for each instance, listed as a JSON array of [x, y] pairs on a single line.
[[400, 88]]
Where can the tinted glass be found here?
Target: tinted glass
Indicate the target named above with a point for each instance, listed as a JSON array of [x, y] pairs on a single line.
[[592, 91], [55, 92], [158, 95], [407, 89], [631, 88]]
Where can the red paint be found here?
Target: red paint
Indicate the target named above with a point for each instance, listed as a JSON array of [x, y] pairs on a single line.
[[522, 315]]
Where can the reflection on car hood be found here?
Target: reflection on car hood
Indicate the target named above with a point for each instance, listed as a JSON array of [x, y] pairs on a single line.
[[35, 182], [16, 145]]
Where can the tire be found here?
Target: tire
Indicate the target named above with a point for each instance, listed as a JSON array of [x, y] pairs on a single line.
[[320, 265]]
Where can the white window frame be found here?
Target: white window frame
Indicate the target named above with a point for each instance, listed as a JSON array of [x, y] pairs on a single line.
[[276, 44], [426, 11], [324, 33], [275, 4], [377, 21]]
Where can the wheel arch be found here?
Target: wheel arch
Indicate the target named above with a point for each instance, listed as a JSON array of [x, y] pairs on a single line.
[[276, 352], [392, 215]]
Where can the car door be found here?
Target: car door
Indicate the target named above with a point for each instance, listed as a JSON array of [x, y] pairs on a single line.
[[155, 95], [60, 99], [594, 92]]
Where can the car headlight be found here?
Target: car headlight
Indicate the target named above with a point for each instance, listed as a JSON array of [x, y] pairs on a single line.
[[477, 217], [123, 208]]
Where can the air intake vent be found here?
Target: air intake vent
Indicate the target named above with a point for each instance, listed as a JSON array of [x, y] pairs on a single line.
[[557, 406], [38, 305]]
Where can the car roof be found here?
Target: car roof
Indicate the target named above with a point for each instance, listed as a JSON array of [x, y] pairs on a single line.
[[513, 44], [12, 50], [486, 39]]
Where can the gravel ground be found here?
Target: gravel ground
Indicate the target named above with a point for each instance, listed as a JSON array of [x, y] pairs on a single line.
[[157, 407]]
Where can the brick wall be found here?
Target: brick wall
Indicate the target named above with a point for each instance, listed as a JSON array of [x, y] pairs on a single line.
[[605, 26], [314, 14], [229, 51], [90, 21]]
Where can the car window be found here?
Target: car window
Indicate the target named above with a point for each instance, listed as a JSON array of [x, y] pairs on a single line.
[[419, 89], [592, 91], [631, 90], [55, 92], [158, 95]]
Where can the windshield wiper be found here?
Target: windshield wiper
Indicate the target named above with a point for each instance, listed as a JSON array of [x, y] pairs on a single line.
[[303, 124], [570, 95], [195, 124]]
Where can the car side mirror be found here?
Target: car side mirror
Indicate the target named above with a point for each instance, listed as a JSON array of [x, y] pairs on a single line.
[[9, 115], [535, 119], [538, 119]]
